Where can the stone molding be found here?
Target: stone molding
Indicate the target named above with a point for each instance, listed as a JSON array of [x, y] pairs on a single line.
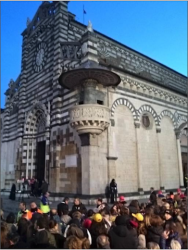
[[162, 94], [89, 118], [139, 64]]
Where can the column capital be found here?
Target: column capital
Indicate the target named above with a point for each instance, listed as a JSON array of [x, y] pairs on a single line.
[[177, 133]]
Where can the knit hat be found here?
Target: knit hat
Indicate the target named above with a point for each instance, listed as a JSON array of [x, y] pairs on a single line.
[[122, 220], [122, 199], [134, 223], [97, 217], [138, 216], [87, 223]]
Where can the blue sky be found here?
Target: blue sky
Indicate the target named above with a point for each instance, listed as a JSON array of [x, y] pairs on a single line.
[[156, 29]]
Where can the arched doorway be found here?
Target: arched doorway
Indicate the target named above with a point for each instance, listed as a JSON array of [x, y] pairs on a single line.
[[35, 137]]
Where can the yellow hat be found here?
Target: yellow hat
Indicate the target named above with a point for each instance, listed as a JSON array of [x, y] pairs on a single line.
[[97, 217], [138, 216]]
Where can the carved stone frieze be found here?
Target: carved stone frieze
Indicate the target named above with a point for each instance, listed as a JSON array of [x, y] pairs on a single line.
[[156, 91], [89, 118]]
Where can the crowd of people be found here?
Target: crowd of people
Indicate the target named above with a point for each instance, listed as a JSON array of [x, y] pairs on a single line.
[[161, 223]]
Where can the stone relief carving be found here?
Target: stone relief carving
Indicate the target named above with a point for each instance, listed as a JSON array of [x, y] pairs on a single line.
[[157, 92], [89, 118], [89, 113]]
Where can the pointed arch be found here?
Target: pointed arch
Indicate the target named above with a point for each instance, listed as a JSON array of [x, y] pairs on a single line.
[[125, 102], [35, 117], [149, 109], [169, 114]]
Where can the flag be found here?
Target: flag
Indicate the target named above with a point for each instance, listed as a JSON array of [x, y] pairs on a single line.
[[84, 11]]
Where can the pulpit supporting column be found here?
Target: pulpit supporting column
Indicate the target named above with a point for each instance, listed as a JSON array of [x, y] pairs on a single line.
[[179, 159], [139, 165], [158, 130]]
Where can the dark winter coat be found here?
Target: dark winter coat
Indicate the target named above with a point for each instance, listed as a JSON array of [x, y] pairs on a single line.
[[80, 208], [153, 198], [113, 188], [154, 234], [60, 240], [44, 187], [122, 238], [12, 195], [62, 207]]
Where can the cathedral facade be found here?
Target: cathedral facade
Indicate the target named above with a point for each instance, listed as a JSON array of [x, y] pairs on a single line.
[[86, 109]]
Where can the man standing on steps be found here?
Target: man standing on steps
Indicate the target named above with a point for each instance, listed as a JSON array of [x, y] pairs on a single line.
[[63, 206], [44, 204], [153, 197]]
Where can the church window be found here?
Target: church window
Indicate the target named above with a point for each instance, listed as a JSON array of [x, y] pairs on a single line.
[[145, 121]]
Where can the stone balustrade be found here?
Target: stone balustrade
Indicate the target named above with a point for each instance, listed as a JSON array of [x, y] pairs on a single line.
[[89, 118]]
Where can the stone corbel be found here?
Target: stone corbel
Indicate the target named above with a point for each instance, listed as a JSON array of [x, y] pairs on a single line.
[[137, 124], [158, 129]]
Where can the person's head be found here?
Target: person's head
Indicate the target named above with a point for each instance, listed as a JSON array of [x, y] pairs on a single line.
[[122, 220], [10, 218], [77, 215], [114, 210], [64, 211], [102, 241], [90, 213], [152, 245], [47, 194], [33, 207], [105, 212], [99, 201], [166, 205], [167, 215], [174, 244], [73, 242], [41, 223], [137, 217], [66, 200], [76, 231], [124, 210], [42, 238], [53, 211], [151, 189], [22, 206], [135, 203], [156, 220], [53, 225], [13, 238], [87, 223], [113, 181], [77, 201]]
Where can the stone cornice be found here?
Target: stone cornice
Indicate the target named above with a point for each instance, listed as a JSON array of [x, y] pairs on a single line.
[[135, 62], [162, 94]]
